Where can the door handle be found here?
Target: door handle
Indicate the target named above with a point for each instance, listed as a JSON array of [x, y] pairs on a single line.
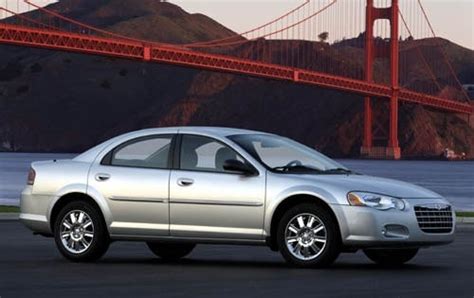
[[185, 181], [102, 177]]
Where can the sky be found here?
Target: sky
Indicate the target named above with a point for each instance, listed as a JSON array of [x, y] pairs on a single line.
[[452, 19]]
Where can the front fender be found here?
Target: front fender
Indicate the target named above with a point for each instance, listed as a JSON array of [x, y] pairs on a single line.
[[308, 190]]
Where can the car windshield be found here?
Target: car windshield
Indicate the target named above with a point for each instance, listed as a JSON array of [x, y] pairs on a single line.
[[281, 154]]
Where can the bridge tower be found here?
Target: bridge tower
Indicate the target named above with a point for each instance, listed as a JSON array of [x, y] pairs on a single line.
[[392, 149]]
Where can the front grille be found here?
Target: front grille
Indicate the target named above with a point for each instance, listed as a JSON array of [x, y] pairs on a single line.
[[434, 218]]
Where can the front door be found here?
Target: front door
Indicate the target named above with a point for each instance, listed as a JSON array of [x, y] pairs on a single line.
[[134, 179], [207, 201]]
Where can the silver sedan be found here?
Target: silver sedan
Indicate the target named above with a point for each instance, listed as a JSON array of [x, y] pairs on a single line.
[[176, 187]]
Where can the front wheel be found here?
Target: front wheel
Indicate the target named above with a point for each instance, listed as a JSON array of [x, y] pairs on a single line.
[[308, 236], [391, 257], [171, 251]]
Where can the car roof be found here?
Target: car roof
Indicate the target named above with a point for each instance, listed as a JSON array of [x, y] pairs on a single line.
[[90, 154], [211, 130]]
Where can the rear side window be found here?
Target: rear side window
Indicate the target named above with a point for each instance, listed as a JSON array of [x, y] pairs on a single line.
[[150, 152]]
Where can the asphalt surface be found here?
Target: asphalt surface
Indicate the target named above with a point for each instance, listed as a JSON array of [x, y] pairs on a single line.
[[30, 266]]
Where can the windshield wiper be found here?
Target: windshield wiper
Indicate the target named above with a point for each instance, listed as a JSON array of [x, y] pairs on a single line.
[[296, 168], [338, 171]]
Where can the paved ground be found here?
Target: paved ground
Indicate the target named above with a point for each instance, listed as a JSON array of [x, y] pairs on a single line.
[[30, 266]]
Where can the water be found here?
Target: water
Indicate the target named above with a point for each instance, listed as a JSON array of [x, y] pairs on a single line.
[[14, 171], [453, 180]]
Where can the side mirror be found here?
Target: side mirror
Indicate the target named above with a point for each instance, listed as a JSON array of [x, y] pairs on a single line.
[[235, 165]]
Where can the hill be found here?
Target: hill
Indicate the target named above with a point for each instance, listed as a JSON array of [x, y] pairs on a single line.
[[64, 102]]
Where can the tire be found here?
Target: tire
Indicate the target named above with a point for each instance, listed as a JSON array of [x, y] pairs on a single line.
[[391, 257], [82, 242], [304, 247], [171, 251]]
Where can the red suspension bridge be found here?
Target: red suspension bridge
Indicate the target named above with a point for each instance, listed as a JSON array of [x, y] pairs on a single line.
[[381, 32]]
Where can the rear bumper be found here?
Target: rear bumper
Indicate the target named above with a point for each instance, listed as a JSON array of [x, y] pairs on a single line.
[[33, 211], [367, 227]]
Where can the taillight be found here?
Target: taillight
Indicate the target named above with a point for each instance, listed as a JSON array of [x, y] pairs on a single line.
[[31, 177]]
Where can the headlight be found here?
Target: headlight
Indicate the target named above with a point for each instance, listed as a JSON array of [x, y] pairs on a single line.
[[377, 201]]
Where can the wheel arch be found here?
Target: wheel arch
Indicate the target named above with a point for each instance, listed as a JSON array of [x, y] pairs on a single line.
[[289, 202], [66, 198]]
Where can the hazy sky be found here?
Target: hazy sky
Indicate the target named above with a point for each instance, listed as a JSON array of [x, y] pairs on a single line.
[[452, 19]]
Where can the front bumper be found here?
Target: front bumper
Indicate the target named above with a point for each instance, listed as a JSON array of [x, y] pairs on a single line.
[[368, 227]]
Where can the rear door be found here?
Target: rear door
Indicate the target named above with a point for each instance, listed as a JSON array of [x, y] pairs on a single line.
[[207, 201], [134, 178]]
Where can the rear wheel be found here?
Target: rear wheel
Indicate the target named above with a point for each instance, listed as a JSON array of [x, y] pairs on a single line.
[[171, 251], [391, 257], [80, 232], [308, 236]]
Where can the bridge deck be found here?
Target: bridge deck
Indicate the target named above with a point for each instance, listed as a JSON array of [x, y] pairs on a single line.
[[55, 40]]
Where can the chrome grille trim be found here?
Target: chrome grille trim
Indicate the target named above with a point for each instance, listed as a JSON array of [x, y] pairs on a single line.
[[434, 218]]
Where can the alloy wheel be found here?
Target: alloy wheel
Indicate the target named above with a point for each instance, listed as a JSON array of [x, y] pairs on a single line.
[[305, 236], [77, 231]]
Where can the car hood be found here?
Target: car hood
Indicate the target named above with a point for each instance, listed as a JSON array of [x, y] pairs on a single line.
[[347, 183]]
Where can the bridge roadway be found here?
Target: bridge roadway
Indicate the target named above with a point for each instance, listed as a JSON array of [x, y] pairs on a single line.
[[130, 49]]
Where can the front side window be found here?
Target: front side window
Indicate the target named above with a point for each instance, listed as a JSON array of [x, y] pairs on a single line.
[[205, 154], [151, 152], [284, 155]]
